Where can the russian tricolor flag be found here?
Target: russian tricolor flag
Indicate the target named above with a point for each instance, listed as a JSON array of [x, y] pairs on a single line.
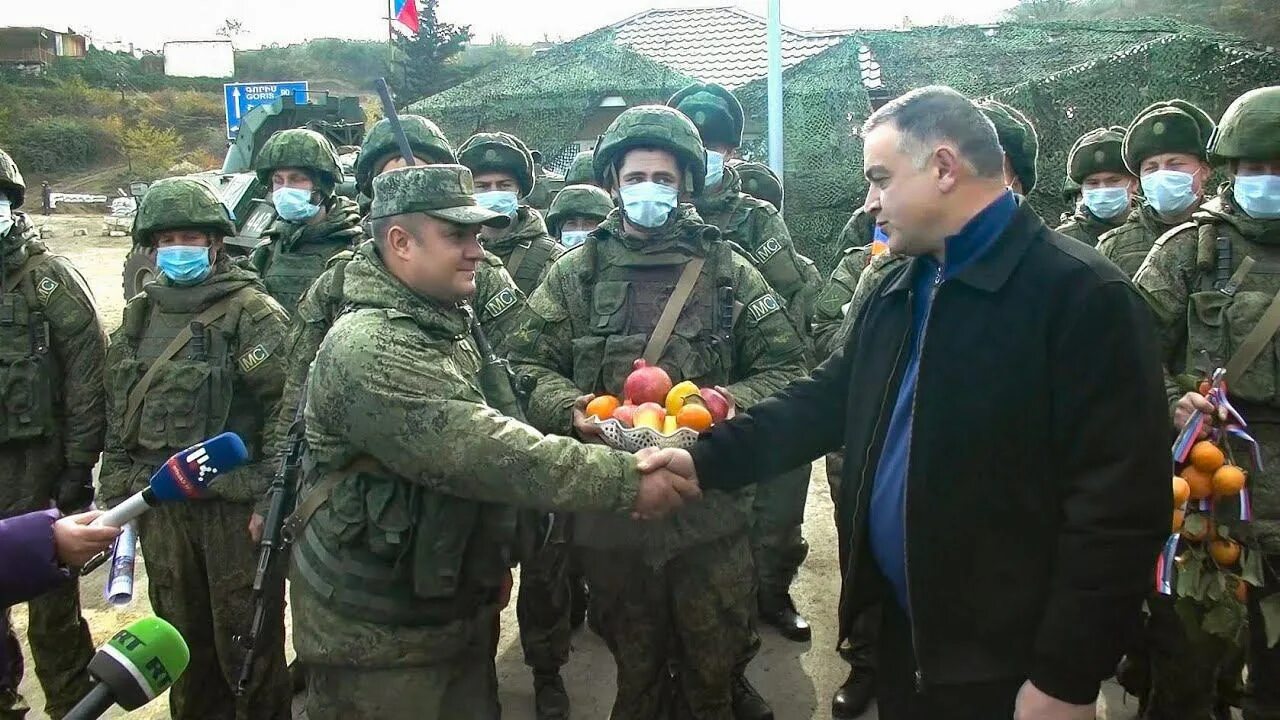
[[406, 13]]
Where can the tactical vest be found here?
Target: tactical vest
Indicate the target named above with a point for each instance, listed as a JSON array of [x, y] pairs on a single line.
[[290, 272], [29, 374], [526, 263], [189, 397], [386, 550]]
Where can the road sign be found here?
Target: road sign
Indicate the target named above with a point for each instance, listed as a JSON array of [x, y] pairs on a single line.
[[243, 97]]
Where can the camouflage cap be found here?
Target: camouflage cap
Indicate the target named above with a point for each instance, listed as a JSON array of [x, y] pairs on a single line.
[[1250, 128], [1174, 126], [1098, 150], [1018, 138], [446, 192], [180, 202], [580, 171], [425, 139], [715, 111], [11, 182], [586, 201], [759, 182], [501, 151]]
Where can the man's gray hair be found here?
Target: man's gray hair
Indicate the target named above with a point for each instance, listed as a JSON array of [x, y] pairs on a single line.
[[934, 114]]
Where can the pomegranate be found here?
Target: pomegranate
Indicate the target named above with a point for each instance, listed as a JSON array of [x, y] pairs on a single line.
[[647, 384]]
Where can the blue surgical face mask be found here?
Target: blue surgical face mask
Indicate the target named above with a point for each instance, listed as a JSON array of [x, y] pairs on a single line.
[[503, 202], [715, 168], [1168, 191], [1106, 202], [6, 217], [648, 204], [1258, 196], [573, 238], [294, 204], [184, 264]]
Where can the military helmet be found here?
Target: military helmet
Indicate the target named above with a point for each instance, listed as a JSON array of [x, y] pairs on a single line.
[[1098, 150], [1250, 128], [425, 139], [180, 202], [11, 182], [485, 152], [653, 126], [1017, 138], [580, 172], [578, 201], [759, 182], [1174, 126], [714, 110], [300, 148]]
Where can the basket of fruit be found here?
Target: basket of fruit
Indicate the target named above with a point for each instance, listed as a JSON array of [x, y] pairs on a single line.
[[655, 413]]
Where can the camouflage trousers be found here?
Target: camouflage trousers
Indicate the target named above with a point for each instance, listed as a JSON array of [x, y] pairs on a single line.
[[696, 613], [463, 686], [60, 644], [777, 544], [543, 605], [860, 648], [200, 564]]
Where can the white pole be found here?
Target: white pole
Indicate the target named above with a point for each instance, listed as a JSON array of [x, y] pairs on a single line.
[[775, 86]]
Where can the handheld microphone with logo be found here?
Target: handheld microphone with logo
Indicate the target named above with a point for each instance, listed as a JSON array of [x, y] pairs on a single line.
[[185, 476], [137, 664]]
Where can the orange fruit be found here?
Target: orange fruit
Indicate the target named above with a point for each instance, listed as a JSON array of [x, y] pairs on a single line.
[[694, 416], [1181, 491], [602, 406], [1207, 457], [1178, 518], [1242, 590], [1225, 552], [1229, 480], [1199, 482]]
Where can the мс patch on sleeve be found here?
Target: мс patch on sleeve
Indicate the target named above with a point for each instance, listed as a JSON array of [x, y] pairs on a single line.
[[762, 307]]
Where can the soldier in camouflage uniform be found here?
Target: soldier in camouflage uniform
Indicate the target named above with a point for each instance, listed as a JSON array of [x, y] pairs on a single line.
[[379, 151], [759, 181], [1165, 147], [503, 171], [682, 592], [1205, 305], [1096, 166], [199, 353], [52, 350], [314, 224], [400, 560], [580, 171], [777, 545]]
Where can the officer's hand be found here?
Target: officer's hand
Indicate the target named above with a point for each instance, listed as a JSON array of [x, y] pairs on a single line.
[[662, 492], [676, 460], [256, 524], [1191, 402], [582, 426], [1033, 704], [75, 488], [75, 541]]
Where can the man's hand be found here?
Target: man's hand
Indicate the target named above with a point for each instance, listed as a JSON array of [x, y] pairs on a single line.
[[75, 488], [256, 525], [582, 427], [676, 460], [662, 492], [75, 541], [1032, 704], [1191, 402]]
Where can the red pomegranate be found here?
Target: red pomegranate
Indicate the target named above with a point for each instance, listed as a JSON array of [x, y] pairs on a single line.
[[647, 383]]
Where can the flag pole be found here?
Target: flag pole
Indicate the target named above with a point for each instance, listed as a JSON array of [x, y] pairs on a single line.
[[391, 38]]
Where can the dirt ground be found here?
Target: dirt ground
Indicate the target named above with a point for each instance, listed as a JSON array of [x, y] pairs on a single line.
[[797, 678]]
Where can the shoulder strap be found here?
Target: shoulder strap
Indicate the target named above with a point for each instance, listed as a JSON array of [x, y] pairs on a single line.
[[1257, 339], [319, 495], [211, 314], [671, 312], [516, 259]]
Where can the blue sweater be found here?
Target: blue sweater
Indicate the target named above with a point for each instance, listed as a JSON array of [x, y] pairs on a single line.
[[888, 520]]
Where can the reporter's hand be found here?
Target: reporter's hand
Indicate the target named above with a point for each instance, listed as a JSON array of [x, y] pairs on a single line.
[[256, 524], [582, 426], [75, 488], [1035, 704], [1191, 402], [75, 540]]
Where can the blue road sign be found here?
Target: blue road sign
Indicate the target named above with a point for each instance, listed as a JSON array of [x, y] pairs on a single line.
[[243, 97]]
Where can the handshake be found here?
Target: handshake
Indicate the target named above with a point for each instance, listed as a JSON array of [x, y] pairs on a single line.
[[667, 480]]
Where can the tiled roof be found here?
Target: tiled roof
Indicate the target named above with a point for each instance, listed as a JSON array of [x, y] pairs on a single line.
[[724, 45]]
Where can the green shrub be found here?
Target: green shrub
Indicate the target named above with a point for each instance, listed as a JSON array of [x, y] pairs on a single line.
[[61, 144]]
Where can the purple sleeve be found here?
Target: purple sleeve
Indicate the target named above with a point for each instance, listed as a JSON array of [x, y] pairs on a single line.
[[28, 564]]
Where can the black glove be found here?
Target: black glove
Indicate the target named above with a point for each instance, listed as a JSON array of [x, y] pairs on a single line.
[[75, 488]]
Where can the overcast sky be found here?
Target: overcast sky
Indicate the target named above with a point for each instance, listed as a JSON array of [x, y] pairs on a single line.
[[150, 23]]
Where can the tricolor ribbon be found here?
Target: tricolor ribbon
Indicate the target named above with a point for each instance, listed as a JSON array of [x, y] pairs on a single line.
[[1246, 506], [1165, 565]]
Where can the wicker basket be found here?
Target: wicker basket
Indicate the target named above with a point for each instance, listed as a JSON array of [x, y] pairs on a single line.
[[634, 438]]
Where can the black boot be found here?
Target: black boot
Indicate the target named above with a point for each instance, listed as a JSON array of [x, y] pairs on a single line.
[[747, 703], [853, 697], [777, 610], [551, 701]]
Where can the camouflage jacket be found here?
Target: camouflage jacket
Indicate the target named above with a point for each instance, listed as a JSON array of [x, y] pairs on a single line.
[[525, 249], [1127, 246], [832, 302], [756, 227], [56, 289], [236, 387], [1086, 227], [1201, 327], [591, 318], [292, 255]]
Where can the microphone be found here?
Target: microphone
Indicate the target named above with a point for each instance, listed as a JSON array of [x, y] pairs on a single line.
[[185, 476], [137, 664]]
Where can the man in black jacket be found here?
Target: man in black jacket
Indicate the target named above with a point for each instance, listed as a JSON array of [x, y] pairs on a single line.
[[1003, 390]]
